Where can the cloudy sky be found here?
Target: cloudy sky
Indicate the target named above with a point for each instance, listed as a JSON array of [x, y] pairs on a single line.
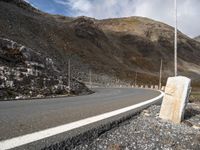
[[162, 10]]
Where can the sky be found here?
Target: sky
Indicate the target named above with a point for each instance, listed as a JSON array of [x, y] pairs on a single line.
[[160, 10]]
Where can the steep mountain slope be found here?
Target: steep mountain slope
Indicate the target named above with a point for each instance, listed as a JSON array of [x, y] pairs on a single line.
[[112, 48], [197, 38], [145, 42], [25, 72]]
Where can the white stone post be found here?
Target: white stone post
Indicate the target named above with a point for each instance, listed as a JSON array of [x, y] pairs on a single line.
[[163, 88], [175, 100]]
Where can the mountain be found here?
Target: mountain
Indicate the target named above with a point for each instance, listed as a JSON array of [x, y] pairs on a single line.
[[25, 72], [113, 50], [197, 38]]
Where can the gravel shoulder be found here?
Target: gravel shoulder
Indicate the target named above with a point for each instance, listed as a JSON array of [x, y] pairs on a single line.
[[148, 131]]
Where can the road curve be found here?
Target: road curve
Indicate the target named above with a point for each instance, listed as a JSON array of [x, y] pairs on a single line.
[[22, 117]]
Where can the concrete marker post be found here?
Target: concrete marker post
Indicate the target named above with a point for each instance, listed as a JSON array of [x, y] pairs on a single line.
[[175, 99]]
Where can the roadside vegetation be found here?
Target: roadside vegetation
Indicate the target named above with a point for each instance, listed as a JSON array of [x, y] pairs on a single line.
[[195, 97]]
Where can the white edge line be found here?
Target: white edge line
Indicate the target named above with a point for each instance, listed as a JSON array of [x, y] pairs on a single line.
[[32, 137]]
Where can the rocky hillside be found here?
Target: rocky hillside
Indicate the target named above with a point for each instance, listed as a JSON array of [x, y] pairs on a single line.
[[197, 38], [114, 49], [26, 73]]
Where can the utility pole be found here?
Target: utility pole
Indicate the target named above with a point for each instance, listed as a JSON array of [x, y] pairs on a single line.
[[175, 39], [160, 78], [90, 76], [69, 84], [135, 78]]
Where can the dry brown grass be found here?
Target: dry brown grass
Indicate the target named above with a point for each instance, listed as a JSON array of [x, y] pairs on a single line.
[[195, 97]]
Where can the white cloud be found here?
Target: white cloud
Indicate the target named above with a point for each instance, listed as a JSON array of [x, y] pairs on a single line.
[[102, 8], [61, 2], [162, 10], [188, 13]]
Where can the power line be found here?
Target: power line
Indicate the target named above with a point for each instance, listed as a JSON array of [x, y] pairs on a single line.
[[90, 76], [69, 84], [175, 39], [160, 78], [135, 78]]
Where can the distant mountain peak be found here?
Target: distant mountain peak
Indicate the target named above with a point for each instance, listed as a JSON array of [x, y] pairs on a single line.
[[197, 38]]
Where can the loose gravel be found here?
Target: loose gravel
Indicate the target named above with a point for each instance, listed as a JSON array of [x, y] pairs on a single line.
[[147, 131]]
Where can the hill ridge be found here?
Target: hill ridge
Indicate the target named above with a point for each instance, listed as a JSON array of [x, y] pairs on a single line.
[[117, 48]]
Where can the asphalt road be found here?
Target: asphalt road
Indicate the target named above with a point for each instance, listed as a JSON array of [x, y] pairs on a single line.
[[27, 116]]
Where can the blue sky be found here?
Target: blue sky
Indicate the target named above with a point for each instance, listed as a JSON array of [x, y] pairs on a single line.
[[161, 10], [50, 6]]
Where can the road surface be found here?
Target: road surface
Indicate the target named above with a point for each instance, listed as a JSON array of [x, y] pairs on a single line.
[[27, 116]]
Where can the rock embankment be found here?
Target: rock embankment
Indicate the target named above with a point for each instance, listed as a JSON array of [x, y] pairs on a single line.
[[25, 73]]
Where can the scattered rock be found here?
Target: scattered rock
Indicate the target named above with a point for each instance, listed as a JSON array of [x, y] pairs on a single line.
[[149, 132], [196, 127], [25, 73]]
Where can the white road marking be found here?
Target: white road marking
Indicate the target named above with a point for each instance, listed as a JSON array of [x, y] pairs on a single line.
[[32, 137]]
